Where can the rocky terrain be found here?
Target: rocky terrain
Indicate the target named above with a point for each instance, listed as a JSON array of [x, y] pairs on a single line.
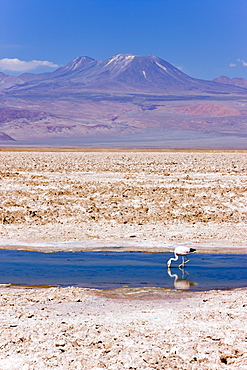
[[209, 110], [73, 328], [136, 200], [156, 198]]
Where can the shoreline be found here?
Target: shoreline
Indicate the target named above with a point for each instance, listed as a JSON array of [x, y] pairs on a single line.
[[119, 246], [74, 328], [42, 148], [134, 288]]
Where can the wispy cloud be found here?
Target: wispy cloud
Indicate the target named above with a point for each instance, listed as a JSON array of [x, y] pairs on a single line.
[[244, 64], [17, 65]]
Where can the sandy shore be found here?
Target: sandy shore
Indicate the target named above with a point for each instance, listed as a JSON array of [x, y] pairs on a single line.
[[72, 328], [147, 201]]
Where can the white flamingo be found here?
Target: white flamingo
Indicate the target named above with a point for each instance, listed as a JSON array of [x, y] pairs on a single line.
[[181, 251]]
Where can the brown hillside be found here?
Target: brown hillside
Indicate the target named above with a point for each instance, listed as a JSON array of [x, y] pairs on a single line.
[[212, 110]]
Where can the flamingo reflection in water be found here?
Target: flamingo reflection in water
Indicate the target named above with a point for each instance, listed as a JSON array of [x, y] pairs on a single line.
[[182, 283]]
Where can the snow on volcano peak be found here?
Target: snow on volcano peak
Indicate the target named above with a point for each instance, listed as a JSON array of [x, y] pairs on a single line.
[[126, 58], [77, 62], [162, 67], [144, 74]]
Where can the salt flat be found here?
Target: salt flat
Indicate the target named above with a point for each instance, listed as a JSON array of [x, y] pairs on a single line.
[[133, 199], [144, 201], [72, 328]]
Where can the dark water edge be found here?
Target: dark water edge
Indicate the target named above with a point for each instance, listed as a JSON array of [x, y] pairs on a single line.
[[116, 270]]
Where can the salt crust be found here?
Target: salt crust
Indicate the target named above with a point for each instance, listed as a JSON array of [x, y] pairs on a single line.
[[74, 328], [197, 198], [133, 200]]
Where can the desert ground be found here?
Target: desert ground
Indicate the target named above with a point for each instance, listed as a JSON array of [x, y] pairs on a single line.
[[144, 201], [150, 200], [72, 328]]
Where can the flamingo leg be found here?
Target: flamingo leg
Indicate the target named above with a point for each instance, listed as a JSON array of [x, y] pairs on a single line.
[[182, 264], [187, 259], [183, 261], [184, 272]]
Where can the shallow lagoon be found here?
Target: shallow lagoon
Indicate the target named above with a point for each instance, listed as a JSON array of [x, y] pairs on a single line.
[[116, 270]]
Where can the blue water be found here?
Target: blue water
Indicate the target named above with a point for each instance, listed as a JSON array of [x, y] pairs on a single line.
[[115, 270]]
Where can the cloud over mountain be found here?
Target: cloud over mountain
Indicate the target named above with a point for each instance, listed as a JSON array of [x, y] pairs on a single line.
[[17, 65]]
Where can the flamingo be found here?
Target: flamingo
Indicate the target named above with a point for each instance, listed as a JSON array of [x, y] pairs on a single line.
[[181, 251]]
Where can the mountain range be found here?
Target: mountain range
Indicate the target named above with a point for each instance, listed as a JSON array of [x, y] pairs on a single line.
[[125, 99]]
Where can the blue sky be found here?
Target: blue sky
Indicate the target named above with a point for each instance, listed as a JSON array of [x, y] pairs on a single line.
[[205, 38]]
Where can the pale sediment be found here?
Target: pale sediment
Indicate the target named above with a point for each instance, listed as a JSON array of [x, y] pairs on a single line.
[[73, 328], [144, 200], [134, 201]]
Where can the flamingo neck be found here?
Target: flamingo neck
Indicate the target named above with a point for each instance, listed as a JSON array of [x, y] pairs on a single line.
[[172, 259]]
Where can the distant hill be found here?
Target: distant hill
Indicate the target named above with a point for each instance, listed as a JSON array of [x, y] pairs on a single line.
[[208, 110], [241, 82], [5, 138], [126, 96]]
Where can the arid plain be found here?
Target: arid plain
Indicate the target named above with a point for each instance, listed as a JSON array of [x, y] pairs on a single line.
[[138, 199], [132, 200]]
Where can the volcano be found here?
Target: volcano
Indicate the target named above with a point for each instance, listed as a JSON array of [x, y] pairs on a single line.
[[122, 100], [123, 73]]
